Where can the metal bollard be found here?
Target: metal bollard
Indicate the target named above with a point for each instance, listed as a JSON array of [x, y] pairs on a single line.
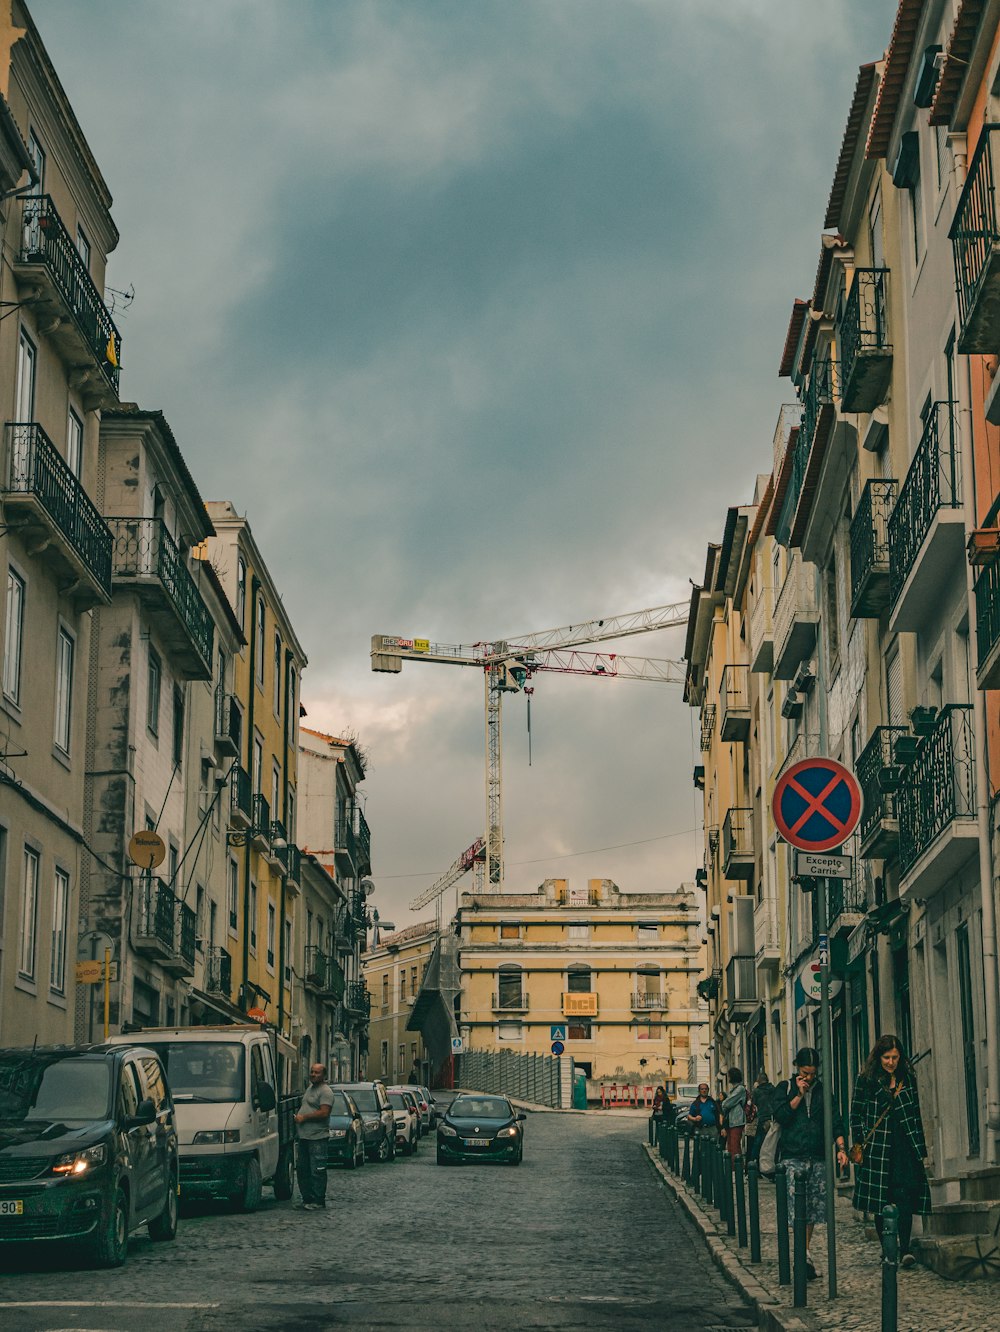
[[799, 1277], [728, 1171], [753, 1199], [781, 1210], [696, 1165], [661, 1143], [720, 1192], [890, 1267], [686, 1164], [741, 1202], [652, 1131]]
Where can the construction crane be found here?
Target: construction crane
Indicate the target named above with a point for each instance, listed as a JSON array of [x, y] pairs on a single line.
[[508, 666], [474, 855]]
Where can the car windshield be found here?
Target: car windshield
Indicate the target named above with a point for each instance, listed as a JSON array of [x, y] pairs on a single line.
[[481, 1107], [341, 1106], [364, 1099], [72, 1091], [398, 1101], [203, 1070]]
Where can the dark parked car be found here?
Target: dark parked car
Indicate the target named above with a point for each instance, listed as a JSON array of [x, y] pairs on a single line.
[[372, 1100], [478, 1128], [347, 1132], [88, 1147]]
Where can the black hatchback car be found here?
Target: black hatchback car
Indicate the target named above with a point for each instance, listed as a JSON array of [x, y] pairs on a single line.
[[372, 1100], [88, 1148], [346, 1144], [480, 1128]]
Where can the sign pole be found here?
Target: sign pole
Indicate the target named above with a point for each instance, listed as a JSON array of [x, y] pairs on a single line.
[[826, 1062], [107, 992]]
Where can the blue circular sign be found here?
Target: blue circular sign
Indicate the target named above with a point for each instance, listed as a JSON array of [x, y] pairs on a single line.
[[558, 1047]]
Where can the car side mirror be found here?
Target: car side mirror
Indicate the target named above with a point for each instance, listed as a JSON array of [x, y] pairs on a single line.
[[522, 1117], [266, 1099], [145, 1114]]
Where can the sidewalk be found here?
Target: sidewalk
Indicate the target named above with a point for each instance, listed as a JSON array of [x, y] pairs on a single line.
[[927, 1303]]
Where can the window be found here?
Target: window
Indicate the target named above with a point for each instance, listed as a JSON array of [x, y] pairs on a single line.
[[288, 951], [271, 919], [385, 989], [199, 915], [579, 931], [579, 1030], [178, 726], [651, 1031], [83, 247], [74, 444], [277, 674], [831, 613], [917, 204], [64, 689], [154, 676], [13, 636], [259, 643], [24, 397], [402, 987], [60, 906], [292, 709], [510, 929], [241, 591], [233, 894], [385, 1059], [647, 933], [578, 980], [275, 790], [29, 915], [290, 813], [3, 875], [37, 154], [510, 1031], [401, 1065], [253, 919], [509, 987], [258, 763], [413, 981]]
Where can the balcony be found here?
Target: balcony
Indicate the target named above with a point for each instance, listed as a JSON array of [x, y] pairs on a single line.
[[240, 799], [796, 618], [146, 557], [818, 416], [364, 842], [863, 342], [734, 698], [870, 550], [762, 632], [59, 289], [938, 832], [357, 1000], [164, 928], [219, 973], [293, 878], [741, 1000], [643, 1001], [575, 1004], [848, 898], [927, 527], [186, 941], [737, 844], [345, 842], [260, 824], [879, 777], [53, 514], [988, 626], [277, 854], [975, 248], [323, 974], [766, 941], [515, 1002], [228, 724]]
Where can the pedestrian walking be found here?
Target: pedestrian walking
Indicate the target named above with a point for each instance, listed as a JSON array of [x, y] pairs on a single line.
[[313, 1133], [798, 1108], [762, 1100], [659, 1097], [734, 1112], [888, 1137], [704, 1118], [414, 1079]]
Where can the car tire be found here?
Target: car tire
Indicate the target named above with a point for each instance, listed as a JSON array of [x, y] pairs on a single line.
[[383, 1150], [442, 1159], [247, 1196], [413, 1146], [516, 1160], [111, 1244], [392, 1151], [282, 1182], [164, 1226]]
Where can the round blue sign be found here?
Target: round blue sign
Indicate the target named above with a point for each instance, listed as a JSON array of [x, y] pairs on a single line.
[[558, 1047]]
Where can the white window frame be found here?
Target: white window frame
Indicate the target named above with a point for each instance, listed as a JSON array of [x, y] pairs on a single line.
[[510, 1031], [233, 892], [63, 712], [241, 591], [83, 246], [643, 935], [272, 917], [278, 674], [14, 634], [28, 935], [260, 625], [60, 916], [578, 930], [74, 443], [154, 672]]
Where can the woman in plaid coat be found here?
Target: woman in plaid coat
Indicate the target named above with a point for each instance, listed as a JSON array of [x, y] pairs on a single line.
[[885, 1119]]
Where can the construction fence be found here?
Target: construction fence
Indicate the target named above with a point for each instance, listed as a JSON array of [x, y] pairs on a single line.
[[537, 1078]]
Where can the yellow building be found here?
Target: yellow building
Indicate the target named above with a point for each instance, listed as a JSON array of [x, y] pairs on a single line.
[[393, 972], [262, 858], [614, 971]]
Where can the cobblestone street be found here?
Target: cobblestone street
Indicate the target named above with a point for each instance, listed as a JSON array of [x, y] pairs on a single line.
[[582, 1235]]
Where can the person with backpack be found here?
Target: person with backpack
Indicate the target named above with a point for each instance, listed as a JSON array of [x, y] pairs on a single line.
[[761, 1099], [734, 1112], [798, 1108], [704, 1117]]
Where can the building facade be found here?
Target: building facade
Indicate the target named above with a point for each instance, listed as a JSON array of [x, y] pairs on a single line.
[[394, 973]]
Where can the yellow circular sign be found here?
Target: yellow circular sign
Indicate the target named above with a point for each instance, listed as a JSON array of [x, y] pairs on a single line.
[[147, 849]]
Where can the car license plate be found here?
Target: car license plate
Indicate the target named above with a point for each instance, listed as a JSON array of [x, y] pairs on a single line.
[[477, 1142], [14, 1208]]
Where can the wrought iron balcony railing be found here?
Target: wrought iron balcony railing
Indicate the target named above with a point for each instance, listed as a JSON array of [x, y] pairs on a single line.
[[344, 839], [241, 798], [363, 842], [975, 246], [741, 986], [279, 834], [46, 242], [261, 821], [187, 932], [863, 342], [848, 897], [41, 490], [734, 697], [219, 972], [643, 1000], [988, 625], [514, 1001], [762, 631], [940, 785], [819, 393], [294, 864], [879, 777], [357, 999], [737, 843], [156, 914], [146, 554], [870, 549], [228, 723], [932, 483]]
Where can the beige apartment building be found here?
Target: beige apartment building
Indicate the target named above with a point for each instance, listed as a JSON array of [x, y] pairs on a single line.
[[59, 365], [394, 971], [613, 972]]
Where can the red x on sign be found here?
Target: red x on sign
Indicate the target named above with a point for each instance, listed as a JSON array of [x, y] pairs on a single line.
[[816, 804]]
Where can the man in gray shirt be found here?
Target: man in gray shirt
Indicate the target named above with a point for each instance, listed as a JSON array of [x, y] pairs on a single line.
[[312, 1130]]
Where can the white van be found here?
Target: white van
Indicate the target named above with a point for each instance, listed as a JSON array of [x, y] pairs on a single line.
[[232, 1133]]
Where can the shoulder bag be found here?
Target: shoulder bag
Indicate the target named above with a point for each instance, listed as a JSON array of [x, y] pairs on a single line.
[[857, 1153]]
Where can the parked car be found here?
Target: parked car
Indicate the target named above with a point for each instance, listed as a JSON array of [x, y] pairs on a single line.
[[88, 1148], [433, 1111], [424, 1105], [347, 1132], [372, 1100], [407, 1115], [234, 1132], [477, 1128]]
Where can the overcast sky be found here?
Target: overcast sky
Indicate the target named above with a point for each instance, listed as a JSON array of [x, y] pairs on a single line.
[[475, 308]]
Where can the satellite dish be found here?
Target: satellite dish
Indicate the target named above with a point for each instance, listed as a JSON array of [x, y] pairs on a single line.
[[367, 887]]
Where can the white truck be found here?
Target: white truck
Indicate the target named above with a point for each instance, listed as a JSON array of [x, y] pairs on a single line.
[[234, 1132]]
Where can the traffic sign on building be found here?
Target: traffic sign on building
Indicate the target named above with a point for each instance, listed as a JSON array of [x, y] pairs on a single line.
[[816, 805]]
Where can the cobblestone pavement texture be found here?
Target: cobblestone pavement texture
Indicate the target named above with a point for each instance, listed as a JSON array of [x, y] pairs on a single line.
[[927, 1302], [582, 1235]]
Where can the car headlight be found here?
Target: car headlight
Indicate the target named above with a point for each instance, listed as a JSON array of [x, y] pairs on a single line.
[[338, 1133], [446, 1131], [78, 1163], [215, 1137], [372, 1124], [509, 1132]]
